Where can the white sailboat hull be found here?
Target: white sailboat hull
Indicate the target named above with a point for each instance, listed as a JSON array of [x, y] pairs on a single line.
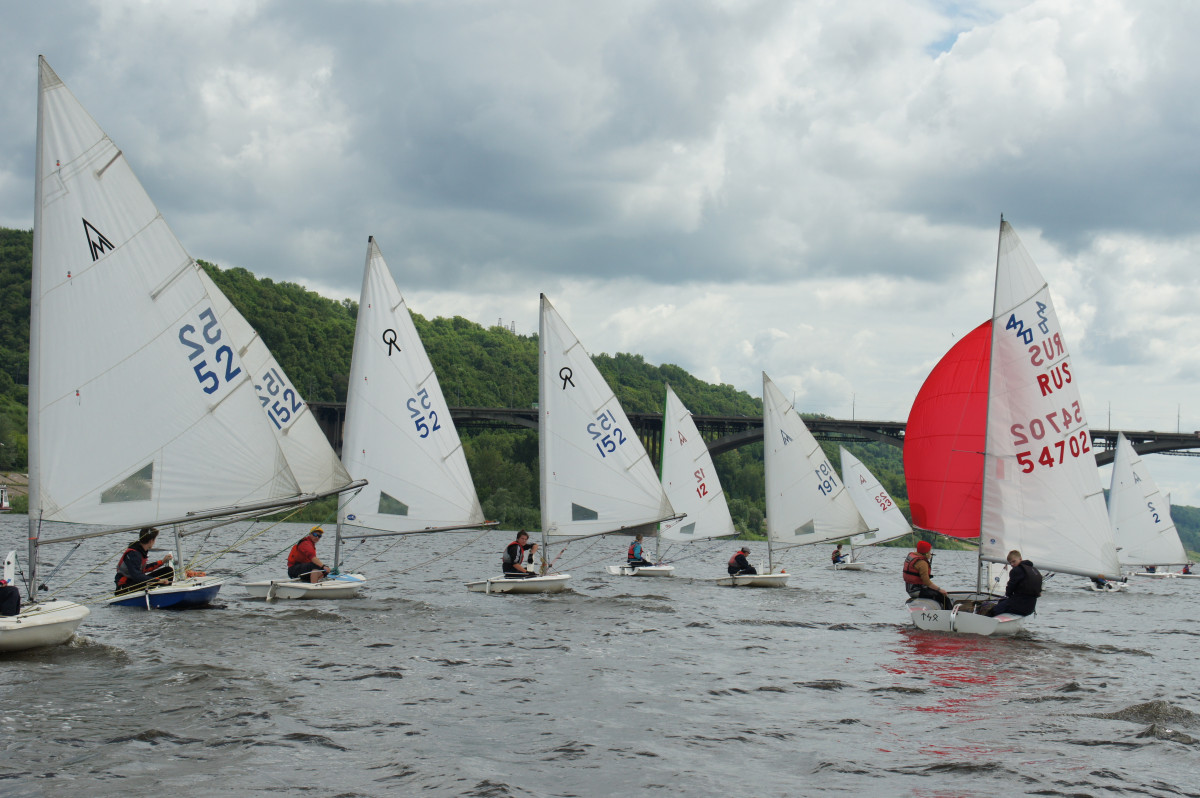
[[339, 587], [851, 566], [926, 615], [551, 583], [1161, 575], [640, 570], [46, 624], [1109, 587], [198, 591], [754, 580]]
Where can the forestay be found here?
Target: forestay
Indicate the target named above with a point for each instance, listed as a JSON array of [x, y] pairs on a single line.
[[141, 408], [1041, 489], [806, 502], [1141, 516], [596, 475], [399, 435], [690, 479]]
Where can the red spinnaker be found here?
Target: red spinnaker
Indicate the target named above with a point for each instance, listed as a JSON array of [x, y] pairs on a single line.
[[945, 438]]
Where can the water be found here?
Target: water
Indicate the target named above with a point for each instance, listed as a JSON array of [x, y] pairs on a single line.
[[621, 686]]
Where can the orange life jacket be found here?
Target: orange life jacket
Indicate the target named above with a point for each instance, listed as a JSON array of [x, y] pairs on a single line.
[[911, 577]]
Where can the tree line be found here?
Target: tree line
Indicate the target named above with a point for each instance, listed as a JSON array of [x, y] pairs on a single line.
[[312, 337]]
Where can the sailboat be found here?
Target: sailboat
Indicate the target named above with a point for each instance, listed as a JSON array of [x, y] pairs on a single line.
[[997, 448], [5, 506], [875, 504], [142, 410], [399, 436], [691, 484], [596, 477], [1141, 516], [806, 502]]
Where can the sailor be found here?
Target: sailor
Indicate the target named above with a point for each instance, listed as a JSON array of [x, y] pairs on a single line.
[[1024, 587], [633, 557], [1187, 570], [134, 572], [837, 556], [512, 561], [918, 572], [739, 565], [303, 561], [10, 599]]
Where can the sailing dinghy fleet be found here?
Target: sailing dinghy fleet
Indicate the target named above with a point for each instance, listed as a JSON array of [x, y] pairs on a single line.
[[180, 417]]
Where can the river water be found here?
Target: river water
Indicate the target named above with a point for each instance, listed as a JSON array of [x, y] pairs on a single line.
[[620, 686]]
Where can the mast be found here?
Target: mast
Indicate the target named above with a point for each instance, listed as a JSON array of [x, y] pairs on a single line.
[[34, 396], [543, 408], [987, 418], [662, 470]]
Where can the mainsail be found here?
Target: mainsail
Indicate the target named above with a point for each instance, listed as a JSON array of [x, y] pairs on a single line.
[[595, 474], [1140, 515], [399, 434], [690, 479], [806, 502], [1041, 487]]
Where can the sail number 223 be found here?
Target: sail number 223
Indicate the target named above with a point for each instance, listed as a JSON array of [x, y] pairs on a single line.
[[200, 342], [605, 432]]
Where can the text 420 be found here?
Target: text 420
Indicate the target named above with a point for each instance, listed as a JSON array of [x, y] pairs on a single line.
[[1057, 453], [421, 411], [279, 398], [200, 343], [605, 432]]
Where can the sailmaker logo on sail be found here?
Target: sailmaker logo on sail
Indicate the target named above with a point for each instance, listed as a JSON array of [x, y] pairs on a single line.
[[97, 243]]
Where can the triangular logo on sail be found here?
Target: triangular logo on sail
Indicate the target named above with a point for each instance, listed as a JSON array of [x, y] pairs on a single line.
[[682, 440], [581, 513], [97, 243], [137, 487], [786, 438], [389, 505], [807, 528]]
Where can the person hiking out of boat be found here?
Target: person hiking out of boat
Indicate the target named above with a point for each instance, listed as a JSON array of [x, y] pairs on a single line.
[[739, 565], [303, 561], [135, 571], [837, 556], [1100, 582], [1024, 587], [10, 599], [633, 558], [513, 559], [918, 575]]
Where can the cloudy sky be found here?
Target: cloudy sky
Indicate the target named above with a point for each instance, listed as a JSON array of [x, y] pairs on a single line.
[[812, 189]]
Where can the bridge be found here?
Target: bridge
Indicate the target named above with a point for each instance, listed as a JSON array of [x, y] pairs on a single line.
[[725, 433]]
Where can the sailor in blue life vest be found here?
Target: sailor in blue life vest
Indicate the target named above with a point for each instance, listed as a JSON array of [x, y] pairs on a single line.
[[10, 599], [513, 559], [303, 562], [1024, 587], [739, 565], [633, 557], [918, 575], [135, 572], [837, 556]]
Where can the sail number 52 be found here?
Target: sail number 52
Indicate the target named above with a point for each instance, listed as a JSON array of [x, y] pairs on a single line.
[[209, 336]]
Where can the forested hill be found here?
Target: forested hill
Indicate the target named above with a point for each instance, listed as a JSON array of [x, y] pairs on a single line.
[[312, 337]]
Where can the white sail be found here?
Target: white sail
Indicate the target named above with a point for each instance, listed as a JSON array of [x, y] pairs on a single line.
[[304, 445], [690, 479], [876, 506], [399, 435], [595, 474], [140, 408], [1041, 487], [806, 502], [1140, 515]]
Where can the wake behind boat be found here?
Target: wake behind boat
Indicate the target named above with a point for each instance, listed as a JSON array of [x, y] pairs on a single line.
[[997, 448]]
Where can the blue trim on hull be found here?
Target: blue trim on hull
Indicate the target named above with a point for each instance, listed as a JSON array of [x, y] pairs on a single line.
[[178, 600]]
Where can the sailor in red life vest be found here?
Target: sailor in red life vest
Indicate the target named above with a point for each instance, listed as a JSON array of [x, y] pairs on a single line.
[[837, 556], [303, 561], [918, 568], [133, 570], [514, 555], [739, 565], [633, 557]]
